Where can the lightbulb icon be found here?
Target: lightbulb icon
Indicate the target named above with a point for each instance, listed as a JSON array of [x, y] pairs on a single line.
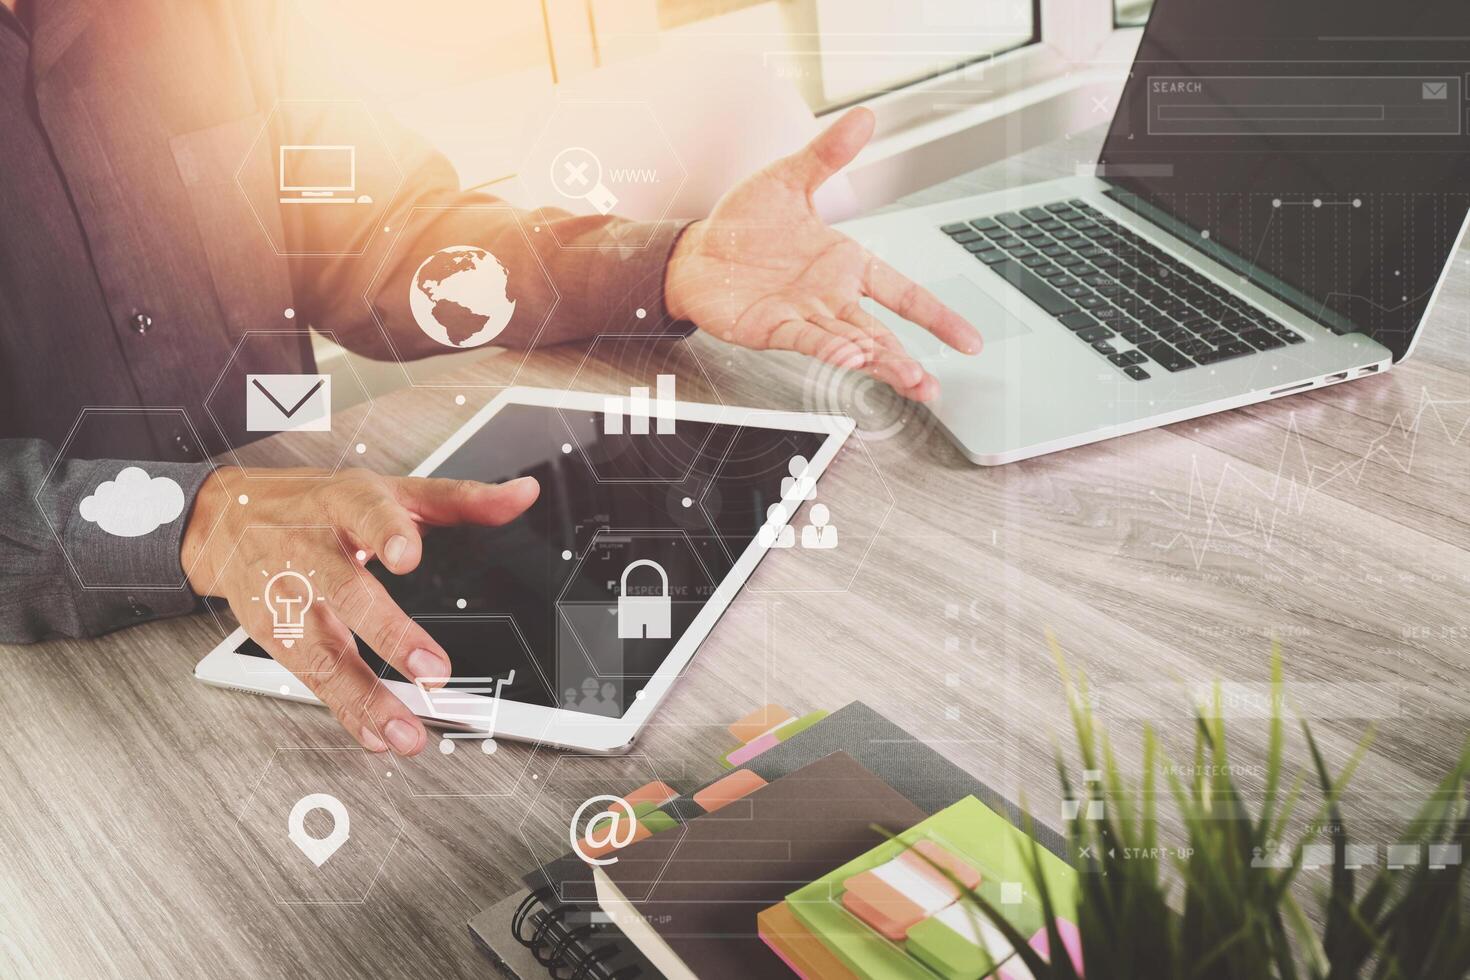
[[288, 595]]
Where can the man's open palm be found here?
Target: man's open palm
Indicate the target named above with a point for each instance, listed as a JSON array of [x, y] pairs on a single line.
[[764, 271]]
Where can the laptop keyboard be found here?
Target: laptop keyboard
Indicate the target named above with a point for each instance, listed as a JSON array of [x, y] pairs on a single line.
[[1122, 295]]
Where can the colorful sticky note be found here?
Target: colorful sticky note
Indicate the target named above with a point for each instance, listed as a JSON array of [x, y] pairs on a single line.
[[751, 749], [725, 791], [760, 721], [799, 725]]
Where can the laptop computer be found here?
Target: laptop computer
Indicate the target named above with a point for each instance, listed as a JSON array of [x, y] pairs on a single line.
[[1275, 209]]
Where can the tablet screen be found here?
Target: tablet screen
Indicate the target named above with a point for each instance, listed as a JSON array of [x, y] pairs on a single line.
[[541, 596]]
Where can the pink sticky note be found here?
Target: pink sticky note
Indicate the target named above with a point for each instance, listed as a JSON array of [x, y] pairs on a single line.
[[1071, 942], [751, 749]]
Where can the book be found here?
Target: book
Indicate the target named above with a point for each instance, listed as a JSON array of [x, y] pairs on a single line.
[[689, 900], [968, 829], [805, 954], [565, 889]]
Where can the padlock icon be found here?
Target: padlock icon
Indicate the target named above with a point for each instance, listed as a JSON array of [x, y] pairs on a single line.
[[644, 617]]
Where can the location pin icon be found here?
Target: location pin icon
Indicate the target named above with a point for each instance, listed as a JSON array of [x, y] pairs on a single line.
[[318, 849]]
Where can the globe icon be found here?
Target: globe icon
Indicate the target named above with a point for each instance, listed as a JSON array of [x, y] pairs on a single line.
[[460, 297]]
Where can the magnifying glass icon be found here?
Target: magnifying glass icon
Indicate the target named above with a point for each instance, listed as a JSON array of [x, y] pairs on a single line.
[[577, 173]]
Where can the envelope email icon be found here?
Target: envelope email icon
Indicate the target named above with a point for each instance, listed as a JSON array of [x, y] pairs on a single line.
[[1438, 91], [288, 403]]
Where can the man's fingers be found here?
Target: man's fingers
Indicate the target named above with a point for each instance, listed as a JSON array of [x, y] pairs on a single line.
[[326, 661], [829, 152], [885, 358], [809, 338], [445, 502], [362, 603], [384, 526], [917, 305]]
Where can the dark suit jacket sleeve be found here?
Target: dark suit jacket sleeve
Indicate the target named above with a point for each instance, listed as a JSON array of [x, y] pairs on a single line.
[[572, 277], [47, 550]]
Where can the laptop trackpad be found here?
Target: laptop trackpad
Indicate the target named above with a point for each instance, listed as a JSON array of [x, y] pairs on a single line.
[[976, 305]]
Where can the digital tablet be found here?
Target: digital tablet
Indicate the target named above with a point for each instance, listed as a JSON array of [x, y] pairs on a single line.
[[572, 623]]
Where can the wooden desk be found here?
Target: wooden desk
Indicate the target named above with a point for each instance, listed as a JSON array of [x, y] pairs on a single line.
[[1334, 522]]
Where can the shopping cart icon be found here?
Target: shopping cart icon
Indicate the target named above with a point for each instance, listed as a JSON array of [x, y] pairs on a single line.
[[469, 701]]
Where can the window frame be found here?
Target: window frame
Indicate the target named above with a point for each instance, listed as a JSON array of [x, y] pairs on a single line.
[[935, 127]]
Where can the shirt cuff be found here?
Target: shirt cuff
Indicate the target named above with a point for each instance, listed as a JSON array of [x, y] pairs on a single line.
[[120, 580]]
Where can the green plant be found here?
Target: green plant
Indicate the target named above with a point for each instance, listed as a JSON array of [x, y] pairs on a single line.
[[1227, 918]]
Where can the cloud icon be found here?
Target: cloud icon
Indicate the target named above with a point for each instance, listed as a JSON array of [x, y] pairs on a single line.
[[133, 503]]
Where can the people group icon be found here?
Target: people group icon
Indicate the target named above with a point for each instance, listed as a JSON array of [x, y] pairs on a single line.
[[820, 534], [599, 699], [799, 485]]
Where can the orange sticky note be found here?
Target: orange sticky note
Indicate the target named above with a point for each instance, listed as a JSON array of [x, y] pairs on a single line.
[[760, 721], [884, 908], [741, 782]]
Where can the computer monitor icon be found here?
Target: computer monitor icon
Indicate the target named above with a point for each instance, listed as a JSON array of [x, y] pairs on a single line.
[[319, 174]]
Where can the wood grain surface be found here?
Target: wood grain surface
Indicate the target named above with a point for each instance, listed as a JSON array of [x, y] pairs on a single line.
[[138, 830]]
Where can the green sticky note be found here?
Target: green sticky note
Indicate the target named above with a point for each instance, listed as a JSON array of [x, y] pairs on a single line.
[[641, 810], [946, 952], [799, 725], [657, 821]]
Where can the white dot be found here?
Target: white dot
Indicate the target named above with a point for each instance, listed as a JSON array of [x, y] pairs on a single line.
[[459, 399], [1316, 202], [290, 313], [640, 313], [566, 556], [388, 774], [387, 230], [244, 498], [535, 776], [566, 447], [1357, 202], [538, 228], [361, 555], [1276, 202], [687, 502], [446, 746], [461, 603], [285, 688], [1205, 233], [639, 695], [361, 448]]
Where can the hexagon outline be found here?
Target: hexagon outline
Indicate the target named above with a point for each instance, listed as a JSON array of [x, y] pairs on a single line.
[[682, 828], [582, 558], [877, 529], [530, 249], [249, 845], [571, 386], [254, 472], [61, 455], [536, 744], [387, 153], [360, 571], [540, 209]]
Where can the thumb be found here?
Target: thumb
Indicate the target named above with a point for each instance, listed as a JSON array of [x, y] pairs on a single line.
[[833, 149], [444, 502]]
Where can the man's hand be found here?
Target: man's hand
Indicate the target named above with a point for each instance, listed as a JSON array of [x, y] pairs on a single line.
[[764, 271], [379, 515]]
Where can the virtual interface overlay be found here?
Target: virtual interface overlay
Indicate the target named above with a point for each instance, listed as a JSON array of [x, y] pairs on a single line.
[[1332, 170], [599, 503]]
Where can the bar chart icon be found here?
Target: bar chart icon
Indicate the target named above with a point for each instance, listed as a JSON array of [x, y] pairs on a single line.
[[638, 407]]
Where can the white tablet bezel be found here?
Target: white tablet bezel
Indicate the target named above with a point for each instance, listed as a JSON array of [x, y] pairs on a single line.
[[223, 667]]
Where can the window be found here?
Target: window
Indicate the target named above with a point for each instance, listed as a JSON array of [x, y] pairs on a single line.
[[839, 52], [1131, 13]]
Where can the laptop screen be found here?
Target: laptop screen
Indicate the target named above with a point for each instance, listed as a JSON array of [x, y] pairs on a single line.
[[1317, 147]]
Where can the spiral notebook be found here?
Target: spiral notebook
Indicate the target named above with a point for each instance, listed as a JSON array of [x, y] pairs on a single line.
[[557, 917]]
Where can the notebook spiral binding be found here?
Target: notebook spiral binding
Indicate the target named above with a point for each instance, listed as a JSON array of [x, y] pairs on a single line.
[[569, 952]]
